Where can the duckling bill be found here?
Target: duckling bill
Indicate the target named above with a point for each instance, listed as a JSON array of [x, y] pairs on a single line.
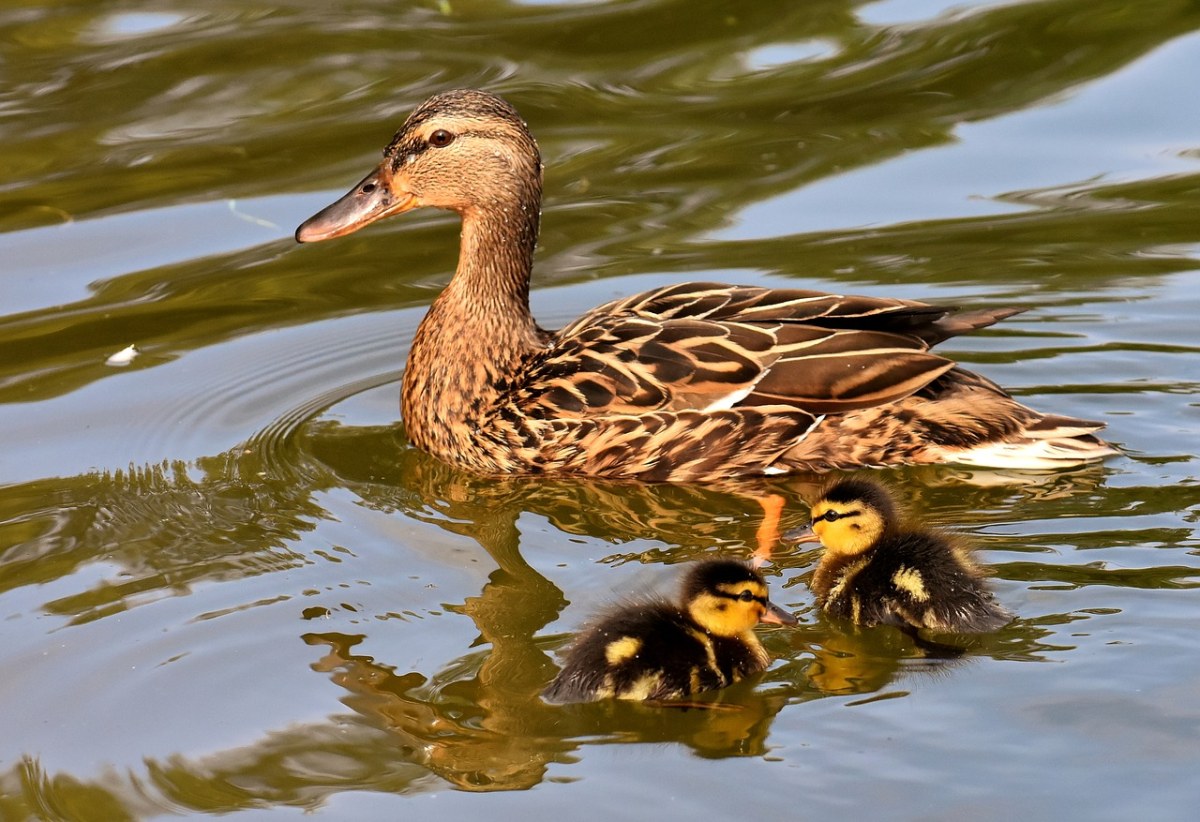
[[878, 570], [663, 650]]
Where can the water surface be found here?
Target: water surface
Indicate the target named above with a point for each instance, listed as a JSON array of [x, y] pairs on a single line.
[[227, 583]]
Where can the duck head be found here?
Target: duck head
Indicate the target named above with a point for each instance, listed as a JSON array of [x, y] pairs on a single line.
[[849, 518], [728, 598], [463, 150]]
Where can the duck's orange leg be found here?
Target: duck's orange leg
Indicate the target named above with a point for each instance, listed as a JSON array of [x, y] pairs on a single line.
[[767, 535]]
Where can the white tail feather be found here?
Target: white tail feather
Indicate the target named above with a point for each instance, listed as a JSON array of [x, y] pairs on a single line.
[[1056, 452]]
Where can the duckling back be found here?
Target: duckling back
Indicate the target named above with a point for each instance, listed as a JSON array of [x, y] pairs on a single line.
[[659, 650], [921, 579], [651, 651]]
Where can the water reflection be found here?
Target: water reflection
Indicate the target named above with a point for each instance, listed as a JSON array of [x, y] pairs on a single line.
[[474, 722], [678, 134], [479, 723]]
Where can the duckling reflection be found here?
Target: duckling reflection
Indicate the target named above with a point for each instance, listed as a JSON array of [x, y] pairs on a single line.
[[876, 569], [866, 662], [663, 650]]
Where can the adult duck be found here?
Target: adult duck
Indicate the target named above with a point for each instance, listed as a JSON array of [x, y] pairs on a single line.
[[689, 382]]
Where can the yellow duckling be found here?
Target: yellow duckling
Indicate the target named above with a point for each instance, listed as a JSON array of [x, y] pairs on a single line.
[[878, 570], [662, 650]]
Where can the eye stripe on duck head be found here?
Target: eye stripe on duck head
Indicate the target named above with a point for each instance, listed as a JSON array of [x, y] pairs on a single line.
[[742, 593], [716, 575], [462, 113], [852, 516], [406, 148], [832, 514]]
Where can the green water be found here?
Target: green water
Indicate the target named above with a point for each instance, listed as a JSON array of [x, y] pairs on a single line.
[[227, 585]]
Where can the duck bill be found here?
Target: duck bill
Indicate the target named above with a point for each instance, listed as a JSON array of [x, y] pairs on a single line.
[[370, 200], [804, 533], [777, 616]]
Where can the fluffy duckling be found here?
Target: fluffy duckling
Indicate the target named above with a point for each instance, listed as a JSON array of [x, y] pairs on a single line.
[[662, 650], [878, 570]]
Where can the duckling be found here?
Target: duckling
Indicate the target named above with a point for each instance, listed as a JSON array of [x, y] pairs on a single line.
[[688, 382], [663, 650], [878, 570]]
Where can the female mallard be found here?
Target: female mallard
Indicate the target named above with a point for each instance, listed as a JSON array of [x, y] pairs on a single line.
[[660, 650], [689, 382], [878, 570]]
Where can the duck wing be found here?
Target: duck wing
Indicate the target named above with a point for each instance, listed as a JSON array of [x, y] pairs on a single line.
[[710, 347]]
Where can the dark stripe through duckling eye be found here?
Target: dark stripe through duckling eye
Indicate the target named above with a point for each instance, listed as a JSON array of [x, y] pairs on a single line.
[[743, 596], [834, 516]]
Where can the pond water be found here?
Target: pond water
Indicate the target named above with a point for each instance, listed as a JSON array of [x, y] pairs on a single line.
[[229, 586]]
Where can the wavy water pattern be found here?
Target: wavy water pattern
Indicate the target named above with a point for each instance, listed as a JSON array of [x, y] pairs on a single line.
[[228, 584]]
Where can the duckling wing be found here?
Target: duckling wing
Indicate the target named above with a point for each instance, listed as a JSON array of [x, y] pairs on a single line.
[[637, 652], [922, 581], [709, 347]]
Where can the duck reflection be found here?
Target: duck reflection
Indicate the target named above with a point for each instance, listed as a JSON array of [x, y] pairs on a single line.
[[480, 723], [389, 475], [474, 722]]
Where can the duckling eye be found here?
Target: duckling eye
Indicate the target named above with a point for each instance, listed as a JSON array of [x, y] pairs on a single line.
[[831, 516], [746, 596], [441, 138]]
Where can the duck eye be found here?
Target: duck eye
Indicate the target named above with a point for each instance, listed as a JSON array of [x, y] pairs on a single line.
[[441, 138], [746, 596], [831, 516]]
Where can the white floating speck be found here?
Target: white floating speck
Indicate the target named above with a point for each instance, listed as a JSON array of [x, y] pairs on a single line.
[[123, 357], [250, 218]]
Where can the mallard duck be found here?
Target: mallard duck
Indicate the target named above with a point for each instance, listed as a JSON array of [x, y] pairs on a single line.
[[689, 382], [878, 570], [663, 650]]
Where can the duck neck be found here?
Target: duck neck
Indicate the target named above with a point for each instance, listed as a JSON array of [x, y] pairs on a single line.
[[478, 331], [494, 265]]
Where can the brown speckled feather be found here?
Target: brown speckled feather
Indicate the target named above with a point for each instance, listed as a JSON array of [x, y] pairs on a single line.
[[708, 346]]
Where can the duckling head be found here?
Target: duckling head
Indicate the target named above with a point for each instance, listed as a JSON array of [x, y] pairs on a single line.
[[464, 150], [850, 517], [728, 598]]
